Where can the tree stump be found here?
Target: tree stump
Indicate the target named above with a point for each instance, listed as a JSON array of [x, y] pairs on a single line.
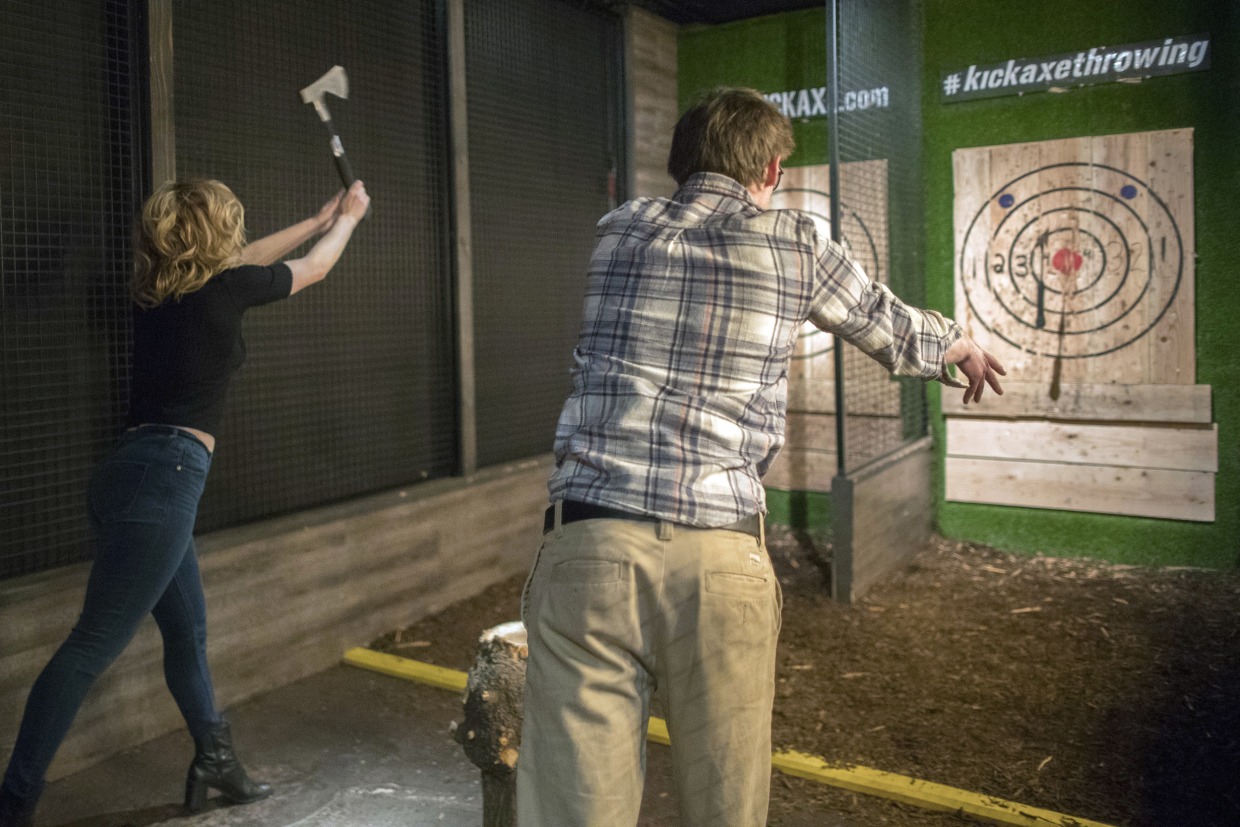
[[490, 732]]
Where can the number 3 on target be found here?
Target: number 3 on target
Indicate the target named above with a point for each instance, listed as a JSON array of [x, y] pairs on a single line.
[[1020, 265]]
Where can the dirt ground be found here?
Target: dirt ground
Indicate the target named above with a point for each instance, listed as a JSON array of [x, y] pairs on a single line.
[[1098, 691]]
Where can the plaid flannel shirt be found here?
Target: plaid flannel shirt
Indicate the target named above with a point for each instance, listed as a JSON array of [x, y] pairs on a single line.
[[691, 313]]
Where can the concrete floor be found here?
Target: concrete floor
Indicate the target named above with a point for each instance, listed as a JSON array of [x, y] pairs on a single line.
[[344, 748]]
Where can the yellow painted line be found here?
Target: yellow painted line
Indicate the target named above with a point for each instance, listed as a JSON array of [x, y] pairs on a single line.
[[902, 788], [924, 794], [410, 670]]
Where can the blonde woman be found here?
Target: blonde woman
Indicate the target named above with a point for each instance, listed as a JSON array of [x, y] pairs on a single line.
[[194, 279]]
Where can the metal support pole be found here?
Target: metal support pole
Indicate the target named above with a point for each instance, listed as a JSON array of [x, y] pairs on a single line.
[[833, 148]]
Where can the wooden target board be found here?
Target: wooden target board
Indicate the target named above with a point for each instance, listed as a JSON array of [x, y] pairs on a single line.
[[808, 459], [1074, 266], [1074, 258]]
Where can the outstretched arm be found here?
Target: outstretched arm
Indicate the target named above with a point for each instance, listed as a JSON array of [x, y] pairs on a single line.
[[906, 340], [315, 265], [270, 249]]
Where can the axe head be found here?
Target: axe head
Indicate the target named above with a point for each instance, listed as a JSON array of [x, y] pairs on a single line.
[[334, 81]]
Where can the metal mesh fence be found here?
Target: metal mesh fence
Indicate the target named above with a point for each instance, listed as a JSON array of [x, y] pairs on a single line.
[[879, 144], [543, 138], [350, 387], [69, 185]]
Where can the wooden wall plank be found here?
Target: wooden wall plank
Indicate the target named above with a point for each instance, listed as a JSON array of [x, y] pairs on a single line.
[[650, 52], [1130, 446], [881, 515], [1139, 492], [1121, 403], [285, 597], [797, 469]]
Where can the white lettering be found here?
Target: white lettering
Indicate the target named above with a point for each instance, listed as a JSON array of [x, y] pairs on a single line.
[[1009, 77], [802, 105], [1144, 58], [996, 77], [1045, 74], [820, 101], [971, 79], [1029, 74], [1178, 54], [1197, 53], [1093, 64], [1063, 68], [1122, 61], [1162, 57]]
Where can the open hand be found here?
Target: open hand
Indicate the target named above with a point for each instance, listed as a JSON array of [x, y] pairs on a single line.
[[978, 366]]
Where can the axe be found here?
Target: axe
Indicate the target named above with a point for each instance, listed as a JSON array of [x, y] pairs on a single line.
[[336, 82]]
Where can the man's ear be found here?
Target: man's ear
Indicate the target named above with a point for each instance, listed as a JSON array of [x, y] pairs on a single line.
[[771, 176]]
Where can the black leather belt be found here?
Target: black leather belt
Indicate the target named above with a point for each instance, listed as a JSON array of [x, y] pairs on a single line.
[[574, 511]]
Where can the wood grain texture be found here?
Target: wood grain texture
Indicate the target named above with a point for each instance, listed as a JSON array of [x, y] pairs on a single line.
[[163, 126], [1128, 446], [1075, 258], [650, 52], [284, 598], [1094, 402], [1138, 492]]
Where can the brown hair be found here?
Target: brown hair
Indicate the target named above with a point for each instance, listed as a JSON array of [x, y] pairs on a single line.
[[735, 132], [188, 232]]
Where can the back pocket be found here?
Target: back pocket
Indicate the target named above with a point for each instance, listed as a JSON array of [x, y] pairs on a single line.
[[731, 584]]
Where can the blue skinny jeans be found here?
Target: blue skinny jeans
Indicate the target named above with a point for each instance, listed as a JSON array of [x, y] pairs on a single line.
[[143, 500]]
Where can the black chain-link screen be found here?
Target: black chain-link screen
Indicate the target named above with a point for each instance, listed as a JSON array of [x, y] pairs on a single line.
[[879, 142], [542, 78], [349, 387], [69, 185]]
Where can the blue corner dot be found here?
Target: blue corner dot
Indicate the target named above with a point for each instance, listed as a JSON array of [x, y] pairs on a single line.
[[1006, 200], [1129, 191]]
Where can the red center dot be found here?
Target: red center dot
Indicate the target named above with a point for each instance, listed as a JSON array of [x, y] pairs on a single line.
[[1066, 261]]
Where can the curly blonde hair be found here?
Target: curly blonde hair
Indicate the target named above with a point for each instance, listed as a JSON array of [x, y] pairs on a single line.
[[188, 231]]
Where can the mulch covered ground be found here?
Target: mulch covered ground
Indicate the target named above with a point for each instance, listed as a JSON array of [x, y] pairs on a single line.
[[1099, 691]]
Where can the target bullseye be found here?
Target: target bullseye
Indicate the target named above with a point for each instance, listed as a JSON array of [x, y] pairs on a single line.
[[1066, 261]]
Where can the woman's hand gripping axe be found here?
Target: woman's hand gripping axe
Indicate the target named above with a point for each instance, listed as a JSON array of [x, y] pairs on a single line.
[[336, 82]]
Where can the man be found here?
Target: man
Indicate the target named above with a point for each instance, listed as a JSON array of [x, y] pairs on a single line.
[[653, 570]]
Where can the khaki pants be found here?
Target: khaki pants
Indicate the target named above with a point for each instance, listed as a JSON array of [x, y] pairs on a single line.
[[615, 608]]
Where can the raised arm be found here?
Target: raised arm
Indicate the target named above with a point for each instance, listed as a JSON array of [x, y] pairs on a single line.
[[272, 248], [316, 264]]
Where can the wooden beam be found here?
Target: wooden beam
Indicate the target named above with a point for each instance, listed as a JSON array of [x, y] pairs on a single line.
[[463, 258], [1133, 446], [797, 469], [1112, 403], [163, 122], [1136, 492]]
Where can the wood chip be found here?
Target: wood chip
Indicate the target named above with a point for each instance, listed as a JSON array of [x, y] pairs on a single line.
[[1045, 761], [1026, 610]]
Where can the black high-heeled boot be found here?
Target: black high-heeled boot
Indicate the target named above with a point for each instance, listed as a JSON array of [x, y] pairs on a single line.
[[216, 765], [16, 812]]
